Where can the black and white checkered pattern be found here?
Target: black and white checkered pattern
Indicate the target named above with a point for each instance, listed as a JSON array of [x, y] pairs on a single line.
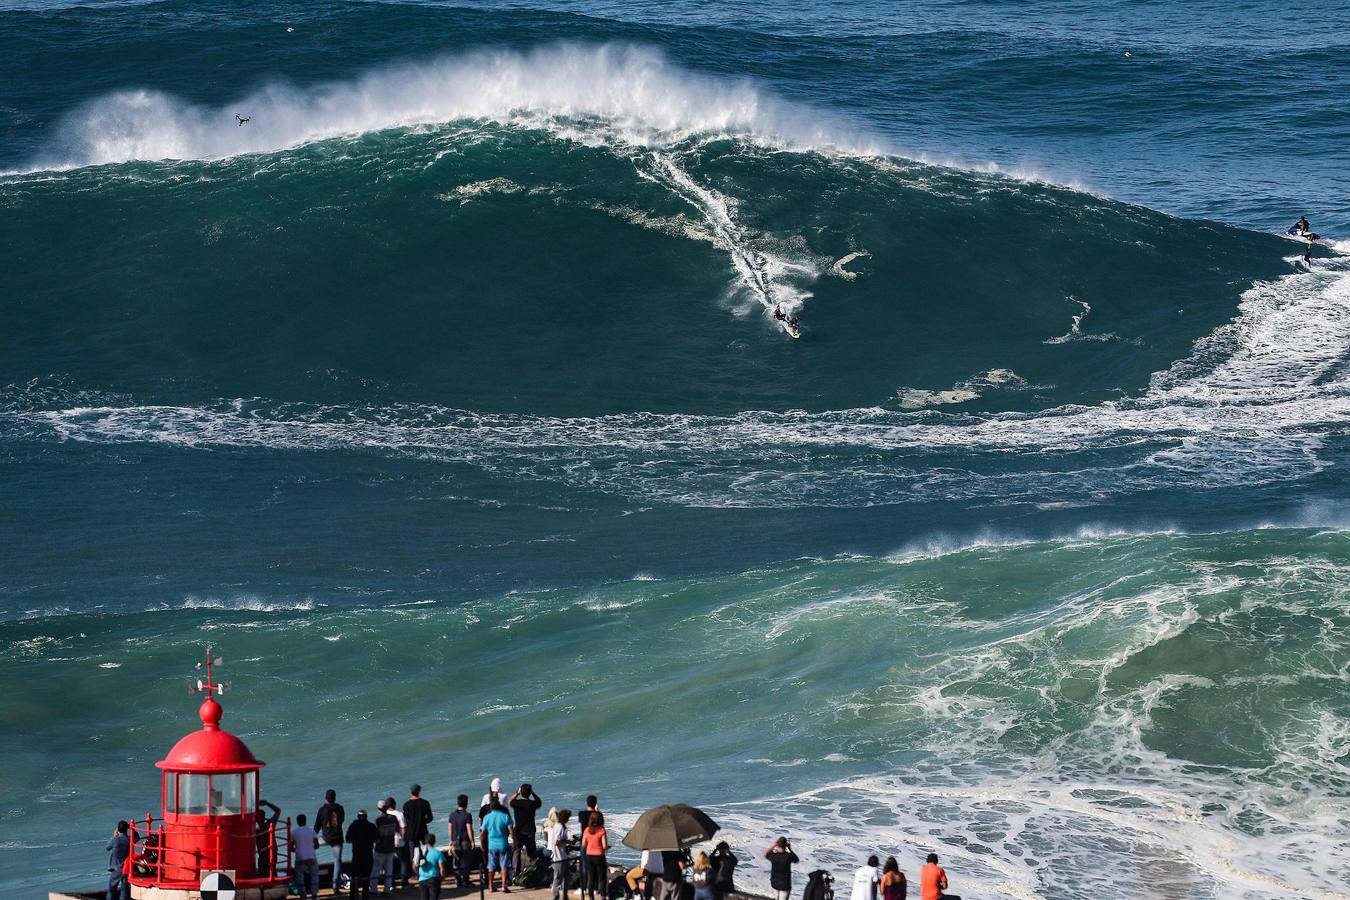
[[217, 886]]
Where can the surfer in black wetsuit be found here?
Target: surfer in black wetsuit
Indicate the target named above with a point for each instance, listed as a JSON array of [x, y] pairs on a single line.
[[1307, 255], [1302, 226], [242, 119]]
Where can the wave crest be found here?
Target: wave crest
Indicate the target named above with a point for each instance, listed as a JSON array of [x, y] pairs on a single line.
[[590, 92]]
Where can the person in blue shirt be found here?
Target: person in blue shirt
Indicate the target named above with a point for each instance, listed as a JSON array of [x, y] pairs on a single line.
[[119, 848], [496, 829], [431, 867]]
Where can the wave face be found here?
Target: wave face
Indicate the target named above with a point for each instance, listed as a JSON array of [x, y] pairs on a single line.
[[1031, 551]]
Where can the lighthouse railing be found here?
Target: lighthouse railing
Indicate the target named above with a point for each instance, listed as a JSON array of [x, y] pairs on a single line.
[[161, 851]]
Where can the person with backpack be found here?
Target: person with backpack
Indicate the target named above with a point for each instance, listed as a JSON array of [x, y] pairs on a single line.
[[461, 839], [361, 837], [416, 823], [893, 885], [386, 849], [781, 859], [328, 821], [724, 868], [525, 805], [496, 832], [430, 868]]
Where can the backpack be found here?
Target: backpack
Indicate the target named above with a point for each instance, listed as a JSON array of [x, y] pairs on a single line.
[[388, 827], [819, 886], [537, 873], [332, 829]]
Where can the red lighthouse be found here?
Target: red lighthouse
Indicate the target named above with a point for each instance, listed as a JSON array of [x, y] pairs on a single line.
[[209, 836]]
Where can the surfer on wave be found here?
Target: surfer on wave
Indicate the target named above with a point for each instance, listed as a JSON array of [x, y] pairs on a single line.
[[789, 320]]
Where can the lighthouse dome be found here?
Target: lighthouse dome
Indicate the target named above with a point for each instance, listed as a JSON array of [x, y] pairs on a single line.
[[210, 749]]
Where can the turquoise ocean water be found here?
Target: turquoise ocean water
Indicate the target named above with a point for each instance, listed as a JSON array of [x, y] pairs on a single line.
[[443, 399]]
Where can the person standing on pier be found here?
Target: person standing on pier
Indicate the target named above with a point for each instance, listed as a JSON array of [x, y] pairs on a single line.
[[496, 830], [704, 876], [555, 837], [781, 859], [430, 868], [386, 849], [865, 880], [893, 885], [361, 837], [119, 849], [417, 821], [461, 839], [494, 788], [933, 881], [670, 880], [329, 821], [525, 805], [264, 833], [305, 843], [402, 850], [592, 806], [724, 864], [594, 844]]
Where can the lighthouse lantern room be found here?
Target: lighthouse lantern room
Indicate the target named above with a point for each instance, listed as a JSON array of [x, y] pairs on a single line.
[[209, 837]]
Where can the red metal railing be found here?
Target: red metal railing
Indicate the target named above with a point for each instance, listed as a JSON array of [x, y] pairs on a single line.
[[159, 852]]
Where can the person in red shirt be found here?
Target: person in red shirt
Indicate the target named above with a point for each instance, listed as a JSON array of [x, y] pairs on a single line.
[[933, 881]]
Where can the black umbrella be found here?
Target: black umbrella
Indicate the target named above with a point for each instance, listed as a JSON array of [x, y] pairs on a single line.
[[672, 827]]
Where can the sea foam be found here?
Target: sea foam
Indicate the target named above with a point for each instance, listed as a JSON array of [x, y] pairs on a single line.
[[585, 91]]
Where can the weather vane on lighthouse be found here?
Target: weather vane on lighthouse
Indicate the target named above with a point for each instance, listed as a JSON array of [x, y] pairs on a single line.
[[208, 686]]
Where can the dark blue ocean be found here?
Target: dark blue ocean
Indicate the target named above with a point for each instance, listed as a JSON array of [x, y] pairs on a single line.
[[443, 399]]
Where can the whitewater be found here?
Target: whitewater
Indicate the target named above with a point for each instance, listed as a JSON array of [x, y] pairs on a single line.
[[444, 400]]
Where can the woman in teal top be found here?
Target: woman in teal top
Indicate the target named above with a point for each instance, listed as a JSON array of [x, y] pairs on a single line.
[[431, 868]]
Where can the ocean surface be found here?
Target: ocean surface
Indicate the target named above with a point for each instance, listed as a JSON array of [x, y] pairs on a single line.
[[442, 398]]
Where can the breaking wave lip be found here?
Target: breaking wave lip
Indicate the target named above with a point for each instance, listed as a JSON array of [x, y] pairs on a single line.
[[587, 92], [244, 604]]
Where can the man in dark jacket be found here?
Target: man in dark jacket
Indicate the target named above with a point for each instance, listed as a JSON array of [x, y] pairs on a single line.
[[387, 829], [417, 820], [361, 837], [525, 805], [671, 878], [119, 848], [328, 823]]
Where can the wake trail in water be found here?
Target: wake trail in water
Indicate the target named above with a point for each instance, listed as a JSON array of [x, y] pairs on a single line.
[[756, 269]]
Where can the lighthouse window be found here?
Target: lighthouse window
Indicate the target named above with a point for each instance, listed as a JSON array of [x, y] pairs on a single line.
[[250, 791], [225, 795], [193, 794]]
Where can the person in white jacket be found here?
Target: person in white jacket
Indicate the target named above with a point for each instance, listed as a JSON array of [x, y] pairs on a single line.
[[865, 880]]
